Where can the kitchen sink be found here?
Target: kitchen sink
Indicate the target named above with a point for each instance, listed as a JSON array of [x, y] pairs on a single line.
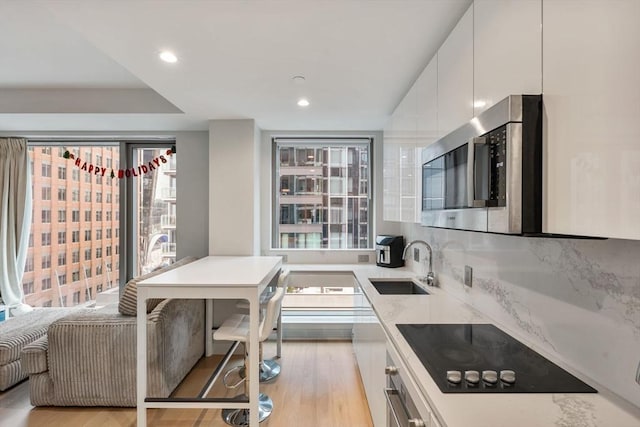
[[397, 287]]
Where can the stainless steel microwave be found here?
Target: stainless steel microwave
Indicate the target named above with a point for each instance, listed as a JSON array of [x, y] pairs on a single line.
[[487, 174]]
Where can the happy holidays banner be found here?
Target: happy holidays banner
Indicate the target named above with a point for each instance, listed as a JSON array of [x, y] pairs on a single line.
[[139, 170]]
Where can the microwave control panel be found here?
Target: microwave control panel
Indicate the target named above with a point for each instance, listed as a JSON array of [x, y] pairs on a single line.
[[497, 142]]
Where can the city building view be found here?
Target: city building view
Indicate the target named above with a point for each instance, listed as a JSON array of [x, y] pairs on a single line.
[[323, 197], [74, 244]]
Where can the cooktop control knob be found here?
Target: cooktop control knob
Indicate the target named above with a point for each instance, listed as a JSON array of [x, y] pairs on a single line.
[[472, 377], [454, 377], [490, 378], [390, 370], [508, 377]]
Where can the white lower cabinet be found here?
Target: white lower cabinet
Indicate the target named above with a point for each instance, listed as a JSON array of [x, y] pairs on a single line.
[[369, 344]]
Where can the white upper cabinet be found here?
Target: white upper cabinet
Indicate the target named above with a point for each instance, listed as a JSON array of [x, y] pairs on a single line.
[[455, 76], [399, 193], [507, 50], [591, 76]]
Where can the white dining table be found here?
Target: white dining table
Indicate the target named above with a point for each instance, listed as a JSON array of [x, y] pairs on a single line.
[[212, 277]]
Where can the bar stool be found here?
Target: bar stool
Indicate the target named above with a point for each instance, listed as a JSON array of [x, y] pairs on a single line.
[[269, 369], [236, 328]]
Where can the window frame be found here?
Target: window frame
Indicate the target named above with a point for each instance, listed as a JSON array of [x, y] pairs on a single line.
[[322, 142]]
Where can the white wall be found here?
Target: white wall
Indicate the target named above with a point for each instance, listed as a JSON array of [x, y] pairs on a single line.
[[192, 194], [318, 256], [233, 192]]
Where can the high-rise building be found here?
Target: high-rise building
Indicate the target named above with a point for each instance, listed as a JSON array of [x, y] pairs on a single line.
[[74, 240], [323, 197]]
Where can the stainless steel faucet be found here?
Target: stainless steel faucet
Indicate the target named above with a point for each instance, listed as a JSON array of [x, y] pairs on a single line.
[[430, 278]]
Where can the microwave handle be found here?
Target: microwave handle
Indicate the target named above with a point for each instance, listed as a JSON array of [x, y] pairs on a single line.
[[472, 202]]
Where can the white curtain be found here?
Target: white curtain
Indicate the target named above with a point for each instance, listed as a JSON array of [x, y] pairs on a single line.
[[15, 221]]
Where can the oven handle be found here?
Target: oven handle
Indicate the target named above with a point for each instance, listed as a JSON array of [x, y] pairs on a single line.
[[391, 395], [472, 202]]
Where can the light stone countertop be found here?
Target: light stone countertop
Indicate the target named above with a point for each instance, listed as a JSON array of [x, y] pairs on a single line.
[[602, 409]]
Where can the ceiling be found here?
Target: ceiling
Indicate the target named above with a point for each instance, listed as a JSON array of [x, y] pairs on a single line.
[[93, 64]]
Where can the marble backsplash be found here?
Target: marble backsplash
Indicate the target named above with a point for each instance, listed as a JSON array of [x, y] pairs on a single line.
[[577, 301]]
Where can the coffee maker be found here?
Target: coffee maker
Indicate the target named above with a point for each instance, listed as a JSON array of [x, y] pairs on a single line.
[[389, 251]]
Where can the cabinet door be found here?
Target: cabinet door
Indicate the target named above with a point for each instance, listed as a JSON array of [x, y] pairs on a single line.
[[507, 50], [427, 123], [399, 193], [455, 76], [591, 76]]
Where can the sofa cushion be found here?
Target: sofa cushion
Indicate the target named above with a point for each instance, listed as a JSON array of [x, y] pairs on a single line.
[[34, 356], [17, 332], [129, 298]]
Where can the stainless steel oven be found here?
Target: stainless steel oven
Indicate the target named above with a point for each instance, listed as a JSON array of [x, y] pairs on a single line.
[[487, 175], [404, 407]]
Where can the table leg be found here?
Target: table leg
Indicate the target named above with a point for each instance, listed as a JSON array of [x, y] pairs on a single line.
[[208, 328], [141, 359], [254, 375]]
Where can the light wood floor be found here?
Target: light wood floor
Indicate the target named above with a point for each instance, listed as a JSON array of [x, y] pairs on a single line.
[[319, 386]]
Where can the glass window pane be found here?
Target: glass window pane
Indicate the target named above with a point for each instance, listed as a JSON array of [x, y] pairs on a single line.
[[60, 278]]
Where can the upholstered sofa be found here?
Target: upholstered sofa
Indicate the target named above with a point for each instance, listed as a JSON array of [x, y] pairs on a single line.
[[16, 333], [89, 359]]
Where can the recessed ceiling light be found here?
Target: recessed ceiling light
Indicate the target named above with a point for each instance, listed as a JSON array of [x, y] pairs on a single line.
[[479, 104], [168, 56], [303, 102]]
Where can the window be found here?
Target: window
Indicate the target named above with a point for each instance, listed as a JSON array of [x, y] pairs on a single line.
[[99, 272], [108, 231], [98, 234], [76, 298], [68, 191], [98, 160], [27, 287], [108, 197], [87, 235], [322, 197], [31, 239], [108, 250], [99, 179], [98, 252], [87, 294], [108, 215], [87, 254], [47, 303], [87, 196], [108, 163], [98, 215], [87, 216]]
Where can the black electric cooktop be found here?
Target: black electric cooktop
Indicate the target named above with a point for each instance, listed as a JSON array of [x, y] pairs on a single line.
[[451, 353]]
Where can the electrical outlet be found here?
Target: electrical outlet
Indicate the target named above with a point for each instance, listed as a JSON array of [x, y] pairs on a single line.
[[468, 275], [363, 258], [416, 254]]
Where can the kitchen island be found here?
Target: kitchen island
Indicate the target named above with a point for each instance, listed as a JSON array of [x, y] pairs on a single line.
[[601, 409], [212, 277]]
